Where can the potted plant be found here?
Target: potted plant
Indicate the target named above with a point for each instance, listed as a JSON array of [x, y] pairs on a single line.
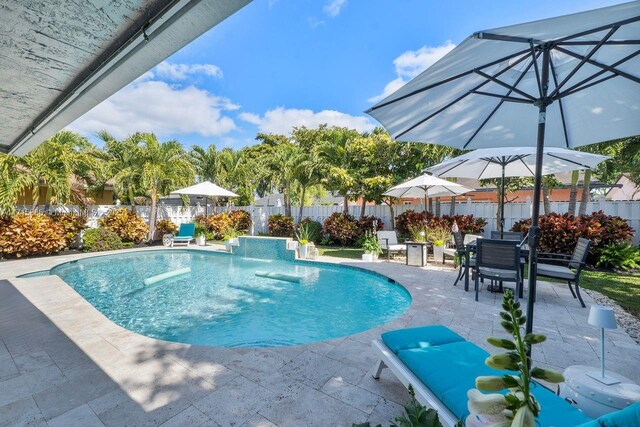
[[304, 241], [518, 406], [371, 247], [438, 237], [200, 234], [230, 238], [418, 233]]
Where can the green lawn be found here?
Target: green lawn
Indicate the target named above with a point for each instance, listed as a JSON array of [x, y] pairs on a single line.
[[622, 288], [341, 252]]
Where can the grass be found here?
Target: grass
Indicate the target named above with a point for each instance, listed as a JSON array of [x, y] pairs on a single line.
[[624, 289], [341, 251]]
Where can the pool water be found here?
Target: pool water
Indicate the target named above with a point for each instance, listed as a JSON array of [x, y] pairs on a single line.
[[222, 302]]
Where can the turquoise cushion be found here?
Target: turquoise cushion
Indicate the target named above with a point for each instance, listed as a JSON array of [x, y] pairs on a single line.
[[424, 336], [629, 416], [450, 370]]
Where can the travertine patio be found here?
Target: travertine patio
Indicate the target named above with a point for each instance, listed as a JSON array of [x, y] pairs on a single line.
[[63, 363]]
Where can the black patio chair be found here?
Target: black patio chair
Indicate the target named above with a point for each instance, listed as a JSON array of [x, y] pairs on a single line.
[[459, 250], [507, 235], [498, 260], [571, 272]]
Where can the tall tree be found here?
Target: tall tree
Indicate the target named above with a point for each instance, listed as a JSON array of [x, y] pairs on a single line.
[[207, 163], [15, 179]]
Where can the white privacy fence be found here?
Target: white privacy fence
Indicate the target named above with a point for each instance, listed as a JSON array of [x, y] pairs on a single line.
[[629, 210]]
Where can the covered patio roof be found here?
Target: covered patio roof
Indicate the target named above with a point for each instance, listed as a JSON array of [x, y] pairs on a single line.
[[60, 59]]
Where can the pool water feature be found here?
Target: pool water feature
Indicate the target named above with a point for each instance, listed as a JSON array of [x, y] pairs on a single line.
[[222, 302]]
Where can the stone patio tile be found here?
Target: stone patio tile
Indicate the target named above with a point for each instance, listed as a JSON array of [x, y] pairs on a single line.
[[386, 386], [25, 385], [310, 368], [58, 400], [254, 363], [189, 417], [350, 374], [23, 412], [353, 353], [351, 395], [82, 416], [8, 368], [258, 421], [235, 402], [311, 407], [385, 412], [30, 362]]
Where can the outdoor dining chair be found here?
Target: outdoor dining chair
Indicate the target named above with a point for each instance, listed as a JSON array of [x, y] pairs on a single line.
[[571, 272], [507, 235], [459, 251], [498, 260]]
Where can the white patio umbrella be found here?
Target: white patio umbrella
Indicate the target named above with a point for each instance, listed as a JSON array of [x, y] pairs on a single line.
[[514, 161], [569, 81], [426, 186], [205, 189]]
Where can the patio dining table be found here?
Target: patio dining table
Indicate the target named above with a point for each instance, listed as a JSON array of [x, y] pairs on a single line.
[[472, 247]]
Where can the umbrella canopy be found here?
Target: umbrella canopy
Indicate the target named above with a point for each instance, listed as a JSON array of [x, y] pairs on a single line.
[[205, 189], [514, 161], [426, 186], [564, 82]]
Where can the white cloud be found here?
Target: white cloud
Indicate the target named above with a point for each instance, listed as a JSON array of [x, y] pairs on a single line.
[[154, 106], [333, 7], [170, 71], [410, 64], [282, 120]]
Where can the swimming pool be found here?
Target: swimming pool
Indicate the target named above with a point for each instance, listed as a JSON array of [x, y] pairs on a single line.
[[222, 302]]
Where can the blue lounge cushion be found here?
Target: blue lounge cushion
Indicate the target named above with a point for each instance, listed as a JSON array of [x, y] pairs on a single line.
[[629, 416], [186, 230], [423, 336], [450, 370]]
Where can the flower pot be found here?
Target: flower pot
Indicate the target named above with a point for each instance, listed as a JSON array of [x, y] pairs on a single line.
[[367, 257], [166, 239], [438, 254], [304, 251], [201, 241]]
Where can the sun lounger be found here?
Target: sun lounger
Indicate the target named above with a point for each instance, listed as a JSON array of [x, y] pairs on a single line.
[[185, 234], [442, 366]]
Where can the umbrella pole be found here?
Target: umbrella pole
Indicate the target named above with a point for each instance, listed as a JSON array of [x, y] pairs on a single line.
[[534, 230], [502, 197]]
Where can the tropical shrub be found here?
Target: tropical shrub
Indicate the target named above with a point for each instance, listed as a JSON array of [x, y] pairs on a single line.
[[409, 219], [467, 224], [166, 226], [341, 227], [100, 239], [314, 228], [71, 225], [280, 226], [126, 223], [560, 233], [370, 243], [26, 234], [216, 224], [366, 223], [241, 221], [620, 256]]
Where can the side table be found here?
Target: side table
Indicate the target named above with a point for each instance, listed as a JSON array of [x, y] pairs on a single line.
[[593, 397], [416, 253]]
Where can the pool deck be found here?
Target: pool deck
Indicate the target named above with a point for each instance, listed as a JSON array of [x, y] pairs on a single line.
[[62, 363]]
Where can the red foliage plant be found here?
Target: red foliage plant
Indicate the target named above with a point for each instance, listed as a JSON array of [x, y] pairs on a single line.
[[560, 233], [280, 225], [341, 227], [366, 223], [467, 224]]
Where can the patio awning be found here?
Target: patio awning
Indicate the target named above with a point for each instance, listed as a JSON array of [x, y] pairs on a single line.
[[60, 59]]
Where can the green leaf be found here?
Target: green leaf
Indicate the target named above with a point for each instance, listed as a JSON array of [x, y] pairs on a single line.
[[501, 343]]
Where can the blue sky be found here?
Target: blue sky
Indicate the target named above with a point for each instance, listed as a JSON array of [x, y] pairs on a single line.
[[282, 63]]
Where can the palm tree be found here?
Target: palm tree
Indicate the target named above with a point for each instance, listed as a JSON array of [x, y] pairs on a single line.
[[122, 166], [163, 167], [207, 163], [15, 179], [305, 171]]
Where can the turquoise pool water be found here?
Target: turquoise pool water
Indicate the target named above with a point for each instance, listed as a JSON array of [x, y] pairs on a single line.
[[222, 302]]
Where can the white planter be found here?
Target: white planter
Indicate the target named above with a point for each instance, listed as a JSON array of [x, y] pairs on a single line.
[[367, 257], [166, 239], [201, 241], [304, 251], [438, 254]]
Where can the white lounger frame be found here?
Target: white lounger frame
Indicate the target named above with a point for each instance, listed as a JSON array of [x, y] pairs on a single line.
[[182, 240], [388, 359]]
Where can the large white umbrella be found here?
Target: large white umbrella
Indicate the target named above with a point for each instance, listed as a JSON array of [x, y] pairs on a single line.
[[205, 189], [514, 161], [426, 186], [564, 82]]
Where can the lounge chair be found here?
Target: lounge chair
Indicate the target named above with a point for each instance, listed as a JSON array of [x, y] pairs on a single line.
[[389, 242], [185, 234], [442, 366]]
